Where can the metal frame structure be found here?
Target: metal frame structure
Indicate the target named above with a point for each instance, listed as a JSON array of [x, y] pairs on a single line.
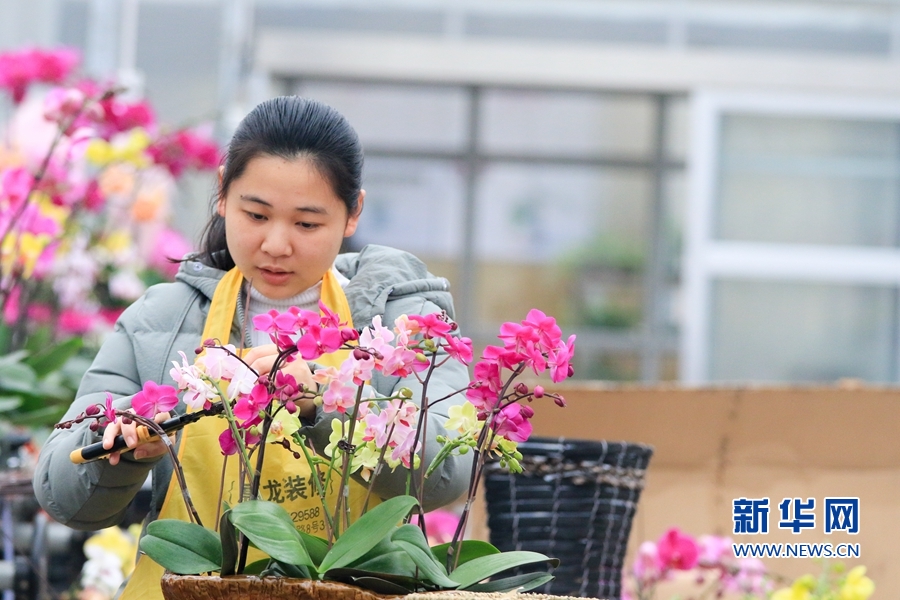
[[654, 340]]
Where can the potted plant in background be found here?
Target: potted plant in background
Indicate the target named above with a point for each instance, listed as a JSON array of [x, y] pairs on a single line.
[[381, 550], [87, 176]]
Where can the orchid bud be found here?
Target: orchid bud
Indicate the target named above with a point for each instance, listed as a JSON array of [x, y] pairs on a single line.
[[262, 414], [92, 410], [301, 388], [94, 426], [405, 393], [521, 389], [198, 350], [360, 354], [79, 418], [349, 335], [429, 345], [126, 421], [290, 407], [526, 411], [571, 371], [538, 391], [560, 401], [440, 439], [463, 449], [453, 326], [297, 455], [421, 357], [210, 343], [253, 430]]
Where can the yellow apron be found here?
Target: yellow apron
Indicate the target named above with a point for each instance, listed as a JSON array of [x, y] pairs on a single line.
[[284, 480]]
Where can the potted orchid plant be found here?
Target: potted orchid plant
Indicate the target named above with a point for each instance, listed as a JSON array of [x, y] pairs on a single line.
[[381, 550]]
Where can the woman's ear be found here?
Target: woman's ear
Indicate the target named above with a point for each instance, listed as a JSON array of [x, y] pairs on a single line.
[[220, 202], [353, 220]]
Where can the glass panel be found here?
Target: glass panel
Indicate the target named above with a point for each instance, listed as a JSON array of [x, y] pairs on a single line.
[[536, 122], [415, 205], [677, 118], [398, 116], [826, 181], [802, 332], [567, 240]]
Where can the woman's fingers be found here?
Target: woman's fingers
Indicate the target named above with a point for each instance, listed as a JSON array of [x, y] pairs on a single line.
[[260, 351], [129, 431]]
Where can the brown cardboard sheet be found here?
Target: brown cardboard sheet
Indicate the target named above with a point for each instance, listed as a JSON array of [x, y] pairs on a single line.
[[713, 445]]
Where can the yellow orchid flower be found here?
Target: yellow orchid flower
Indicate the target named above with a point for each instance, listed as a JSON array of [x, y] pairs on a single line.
[[462, 418], [284, 424], [48, 209], [117, 242], [115, 541], [22, 251], [857, 586], [132, 151], [800, 590], [99, 152]]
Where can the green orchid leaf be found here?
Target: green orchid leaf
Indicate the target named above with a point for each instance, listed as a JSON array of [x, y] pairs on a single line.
[[391, 562], [52, 358], [228, 535], [368, 530], [411, 539], [280, 569], [16, 376], [468, 550], [8, 403], [381, 586], [316, 546], [13, 358], [258, 567], [521, 583], [479, 569], [182, 547], [348, 575], [271, 529]]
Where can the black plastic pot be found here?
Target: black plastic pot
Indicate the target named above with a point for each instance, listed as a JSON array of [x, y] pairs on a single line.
[[575, 501]]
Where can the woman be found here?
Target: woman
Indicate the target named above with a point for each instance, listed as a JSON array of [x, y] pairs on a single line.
[[289, 193]]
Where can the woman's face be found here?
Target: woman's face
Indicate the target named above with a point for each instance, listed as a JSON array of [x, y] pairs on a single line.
[[284, 224]]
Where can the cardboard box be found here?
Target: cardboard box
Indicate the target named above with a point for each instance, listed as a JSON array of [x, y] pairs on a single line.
[[713, 445]]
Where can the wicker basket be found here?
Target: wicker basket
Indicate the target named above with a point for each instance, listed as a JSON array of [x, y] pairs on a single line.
[[574, 501]]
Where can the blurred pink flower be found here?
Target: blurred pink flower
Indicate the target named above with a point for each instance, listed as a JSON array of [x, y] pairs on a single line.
[[168, 244], [75, 321], [712, 549], [11, 309], [440, 525], [185, 149], [750, 577], [677, 550], [646, 566], [21, 68]]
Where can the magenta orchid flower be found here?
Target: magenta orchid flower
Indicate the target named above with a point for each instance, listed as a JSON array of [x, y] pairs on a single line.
[[433, 325], [154, 399], [677, 550], [459, 349]]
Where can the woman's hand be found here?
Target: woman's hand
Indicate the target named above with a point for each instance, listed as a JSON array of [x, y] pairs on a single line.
[[129, 432], [262, 358]]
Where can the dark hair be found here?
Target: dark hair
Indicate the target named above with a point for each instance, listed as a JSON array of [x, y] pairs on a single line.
[[289, 127]]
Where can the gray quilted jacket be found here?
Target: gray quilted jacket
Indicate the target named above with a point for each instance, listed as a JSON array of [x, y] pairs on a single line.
[[170, 317]]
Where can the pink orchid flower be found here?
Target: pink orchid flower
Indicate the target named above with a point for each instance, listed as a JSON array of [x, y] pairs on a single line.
[[677, 550], [432, 325], [154, 399]]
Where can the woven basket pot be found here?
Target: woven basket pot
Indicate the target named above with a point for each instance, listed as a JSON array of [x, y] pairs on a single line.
[[575, 501], [241, 587]]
